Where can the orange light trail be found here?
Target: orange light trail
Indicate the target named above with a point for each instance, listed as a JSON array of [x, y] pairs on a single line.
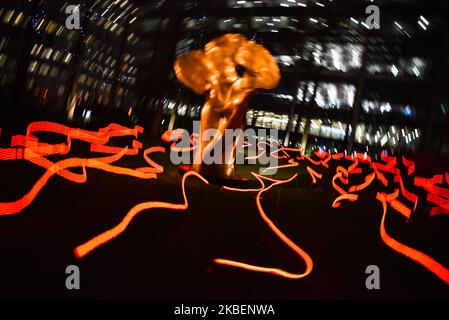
[[335, 185], [407, 194], [292, 163], [368, 180], [409, 164], [29, 148], [347, 196], [314, 174], [10, 208], [275, 271], [107, 236], [426, 261]]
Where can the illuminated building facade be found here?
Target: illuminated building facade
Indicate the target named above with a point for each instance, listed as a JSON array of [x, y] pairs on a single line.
[[344, 86], [77, 74]]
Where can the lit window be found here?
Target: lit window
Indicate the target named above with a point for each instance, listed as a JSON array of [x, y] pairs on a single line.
[[48, 53], [18, 19], [40, 24], [44, 69], [119, 31], [30, 83], [60, 31], [67, 58], [51, 27], [57, 55], [33, 66], [36, 49], [8, 16], [3, 58], [3, 43]]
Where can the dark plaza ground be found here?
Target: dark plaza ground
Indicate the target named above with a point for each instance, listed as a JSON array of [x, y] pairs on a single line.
[[169, 254]]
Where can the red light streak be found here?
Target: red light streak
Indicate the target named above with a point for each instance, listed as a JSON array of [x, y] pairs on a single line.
[[335, 185], [314, 174], [380, 175], [409, 164], [107, 236], [317, 163], [292, 163], [300, 252], [426, 261], [29, 148], [338, 156], [176, 135], [353, 167], [155, 168], [346, 196], [368, 180], [407, 194]]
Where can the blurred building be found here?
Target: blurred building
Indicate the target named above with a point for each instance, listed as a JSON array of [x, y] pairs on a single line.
[[74, 74], [344, 86]]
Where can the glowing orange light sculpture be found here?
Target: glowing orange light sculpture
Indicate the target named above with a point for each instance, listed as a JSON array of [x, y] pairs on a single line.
[[227, 71]]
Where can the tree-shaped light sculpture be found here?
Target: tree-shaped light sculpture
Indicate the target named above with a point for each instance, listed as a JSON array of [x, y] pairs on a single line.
[[227, 71]]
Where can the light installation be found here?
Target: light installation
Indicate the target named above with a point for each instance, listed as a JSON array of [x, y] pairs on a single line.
[[390, 173], [227, 71]]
